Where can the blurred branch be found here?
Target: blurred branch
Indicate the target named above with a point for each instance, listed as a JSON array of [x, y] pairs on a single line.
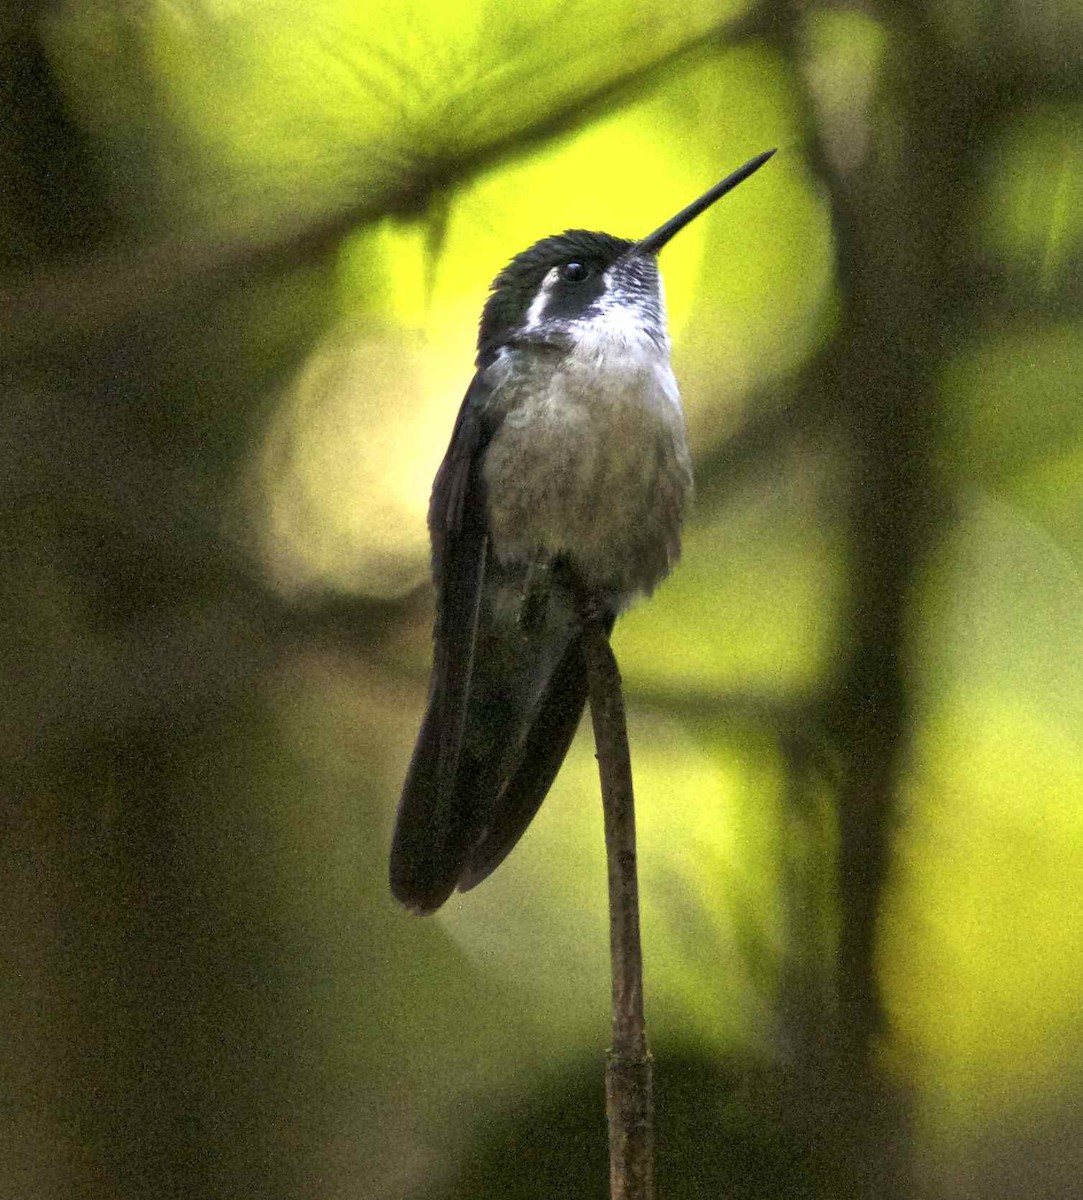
[[1010, 82], [793, 719], [164, 667], [877, 374], [770, 429], [92, 297], [52, 205], [902, 247], [1005, 294]]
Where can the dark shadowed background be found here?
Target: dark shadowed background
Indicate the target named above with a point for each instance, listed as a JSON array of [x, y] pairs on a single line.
[[243, 248]]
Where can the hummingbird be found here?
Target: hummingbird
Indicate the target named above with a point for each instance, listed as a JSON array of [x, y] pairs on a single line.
[[567, 476]]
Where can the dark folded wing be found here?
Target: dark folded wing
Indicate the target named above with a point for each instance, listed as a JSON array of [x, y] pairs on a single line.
[[543, 751], [435, 829]]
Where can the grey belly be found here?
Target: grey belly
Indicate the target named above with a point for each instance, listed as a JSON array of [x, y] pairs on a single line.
[[602, 483]]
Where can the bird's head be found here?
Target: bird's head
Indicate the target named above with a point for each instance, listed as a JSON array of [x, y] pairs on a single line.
[[577, 280]]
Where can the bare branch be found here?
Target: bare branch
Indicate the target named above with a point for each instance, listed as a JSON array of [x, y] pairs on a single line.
[[628, 1076]]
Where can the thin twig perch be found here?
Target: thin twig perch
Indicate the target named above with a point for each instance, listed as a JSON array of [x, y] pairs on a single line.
[[628, 1074]]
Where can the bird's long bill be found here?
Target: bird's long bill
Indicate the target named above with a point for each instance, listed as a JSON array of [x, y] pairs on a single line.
[[654, 242]]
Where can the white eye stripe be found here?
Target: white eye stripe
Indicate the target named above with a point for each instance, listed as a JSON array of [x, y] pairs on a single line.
[[537, 306]]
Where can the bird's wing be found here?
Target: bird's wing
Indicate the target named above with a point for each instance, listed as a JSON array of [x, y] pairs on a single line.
[[433, 832], [543, 750]]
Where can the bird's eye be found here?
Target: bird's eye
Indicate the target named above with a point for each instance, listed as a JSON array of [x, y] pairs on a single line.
[[574, 272]]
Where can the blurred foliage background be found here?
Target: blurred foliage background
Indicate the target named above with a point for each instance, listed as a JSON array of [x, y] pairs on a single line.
[[243, 247]]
